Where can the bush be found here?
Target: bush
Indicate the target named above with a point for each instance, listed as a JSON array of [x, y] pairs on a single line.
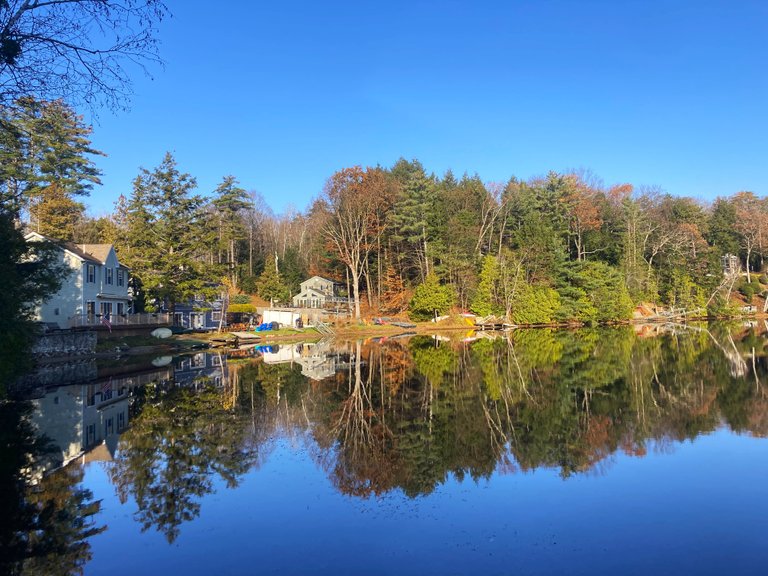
[[535, 305], [484, 301], [719, 306], [430, 298], [749, 289], [593, 292], [241, 308]]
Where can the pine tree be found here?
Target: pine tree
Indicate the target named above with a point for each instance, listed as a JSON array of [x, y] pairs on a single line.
[[485, 301], [52, 164], [56, 214], [430, 298], [412, 216], [164, 239], [63, 147], [229, 203], [270, 287]]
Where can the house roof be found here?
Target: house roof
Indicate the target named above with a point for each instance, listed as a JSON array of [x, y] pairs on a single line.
[[310, 292], [319, 278], [98, 251], [80, 253]]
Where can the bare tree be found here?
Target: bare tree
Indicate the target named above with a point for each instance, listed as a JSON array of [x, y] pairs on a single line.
[[78, 50], [354, 196], [750, 221]]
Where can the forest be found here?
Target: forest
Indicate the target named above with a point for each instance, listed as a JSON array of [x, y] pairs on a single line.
[[562, 247]]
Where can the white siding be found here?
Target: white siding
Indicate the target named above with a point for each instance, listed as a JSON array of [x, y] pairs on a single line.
[[319, 284], [68, 301], [76, 291]]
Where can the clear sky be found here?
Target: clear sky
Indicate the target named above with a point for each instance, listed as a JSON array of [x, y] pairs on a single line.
[[282, 94]]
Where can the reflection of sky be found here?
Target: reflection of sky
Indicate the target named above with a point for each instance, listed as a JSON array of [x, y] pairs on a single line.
[[699, 508]]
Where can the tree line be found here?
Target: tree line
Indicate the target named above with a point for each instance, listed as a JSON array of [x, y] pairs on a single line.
[[558, 248]]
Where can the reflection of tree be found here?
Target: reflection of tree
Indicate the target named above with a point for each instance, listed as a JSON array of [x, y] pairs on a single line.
[[563, 399], [364, 438], [44, 527], [168, 458], [406, 414]]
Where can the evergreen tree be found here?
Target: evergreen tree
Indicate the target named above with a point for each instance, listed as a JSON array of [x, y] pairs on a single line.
[[430, 298], [229, 202], [164, 236], [270, 287], [486, 301], [413, 214], [57, 215], [45, 152]]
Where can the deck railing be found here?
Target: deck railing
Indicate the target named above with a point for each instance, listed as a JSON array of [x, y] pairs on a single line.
[[142, 319]]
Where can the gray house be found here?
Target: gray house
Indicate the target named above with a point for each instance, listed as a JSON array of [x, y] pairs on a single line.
[[317, 292], [96, 286]]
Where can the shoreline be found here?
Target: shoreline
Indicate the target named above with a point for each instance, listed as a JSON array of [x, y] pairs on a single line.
[[190, 343]]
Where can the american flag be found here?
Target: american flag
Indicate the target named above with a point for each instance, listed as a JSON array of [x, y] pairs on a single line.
[[106, 322]]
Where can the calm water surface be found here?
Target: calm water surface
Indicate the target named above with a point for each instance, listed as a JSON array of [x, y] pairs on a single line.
[[606, 451]]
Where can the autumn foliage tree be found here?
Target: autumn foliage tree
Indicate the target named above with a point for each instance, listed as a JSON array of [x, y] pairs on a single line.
[[356, 198], [395, 297]]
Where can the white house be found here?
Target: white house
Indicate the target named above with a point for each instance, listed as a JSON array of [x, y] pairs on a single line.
[[315, 293], [97, 284]]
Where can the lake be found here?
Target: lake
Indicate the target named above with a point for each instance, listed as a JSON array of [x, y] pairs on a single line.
[[593, 451]]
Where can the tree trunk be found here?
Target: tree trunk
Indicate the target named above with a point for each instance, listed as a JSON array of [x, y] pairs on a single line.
[[356, 290], [349, 294], [250, 250], [369, 294]]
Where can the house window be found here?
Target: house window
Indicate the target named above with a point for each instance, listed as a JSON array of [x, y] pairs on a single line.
[[106, 308], [120, 422], [91, 274], [90, 308], [120, 277], [109, 275], [120, 308], [55, 311]]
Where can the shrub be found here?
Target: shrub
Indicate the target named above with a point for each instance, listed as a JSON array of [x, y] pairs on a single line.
[[484, 301], [535, 305], [429, 298], [593, 292], [241, 308], [749, 289]]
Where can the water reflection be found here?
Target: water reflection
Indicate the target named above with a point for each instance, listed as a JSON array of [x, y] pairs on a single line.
[[377, 416], [45, 522]]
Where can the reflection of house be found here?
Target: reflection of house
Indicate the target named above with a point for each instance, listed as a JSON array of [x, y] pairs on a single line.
[[97, 284], [198, 314], [86, 419], [317, 292], [316, 360], [200, 368]]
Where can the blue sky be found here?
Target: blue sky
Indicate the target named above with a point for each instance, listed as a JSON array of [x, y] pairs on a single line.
[[281, 95]]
